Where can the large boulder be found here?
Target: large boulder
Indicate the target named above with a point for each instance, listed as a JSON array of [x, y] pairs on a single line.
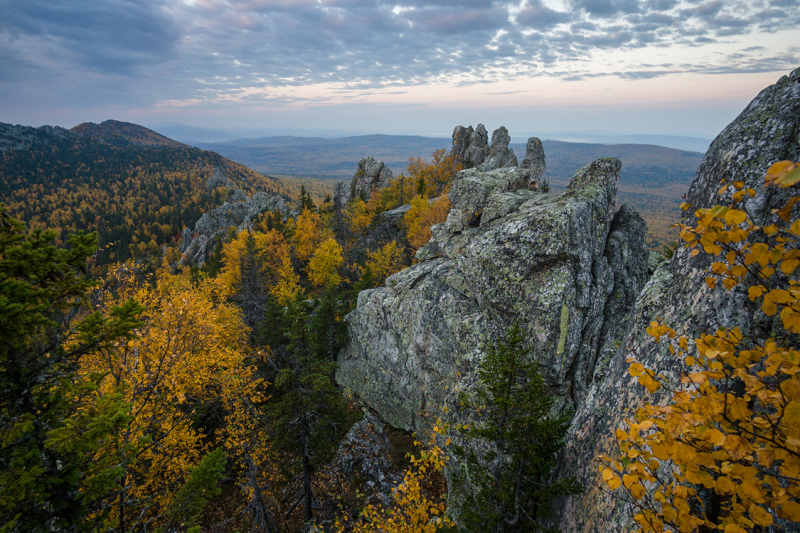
[[562, 266], [765, 132]]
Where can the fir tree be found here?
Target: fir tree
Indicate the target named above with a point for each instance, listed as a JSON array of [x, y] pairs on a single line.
[[509, 489], [307, 410], [54, 463]]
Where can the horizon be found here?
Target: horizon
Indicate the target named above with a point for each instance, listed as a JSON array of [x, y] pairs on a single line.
[[620, 67]]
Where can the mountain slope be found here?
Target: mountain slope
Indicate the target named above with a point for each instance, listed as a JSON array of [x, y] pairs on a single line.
[[122, 134], [135, 187]]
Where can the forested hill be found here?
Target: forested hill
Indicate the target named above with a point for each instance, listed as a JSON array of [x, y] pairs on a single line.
[[124, 134], [135, 187]]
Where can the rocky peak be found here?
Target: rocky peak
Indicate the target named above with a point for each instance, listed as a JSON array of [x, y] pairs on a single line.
[[508, 254]]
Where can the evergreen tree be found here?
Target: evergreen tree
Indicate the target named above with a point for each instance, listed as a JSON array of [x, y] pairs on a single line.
[[55, 460], [307, 411], [509, 489]]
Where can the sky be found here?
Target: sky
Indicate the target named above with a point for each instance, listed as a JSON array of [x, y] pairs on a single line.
[[674, 67]]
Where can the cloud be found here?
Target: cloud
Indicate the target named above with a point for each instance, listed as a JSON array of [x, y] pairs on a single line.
[[537, 15], [213, 50], [112, 36]]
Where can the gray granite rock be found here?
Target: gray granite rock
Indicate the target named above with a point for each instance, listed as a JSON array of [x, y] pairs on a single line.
[[534, 161], [768, 130], [363, 457], [195, 246], [470, 146], [542, 260], [499, 155], [370, 175]]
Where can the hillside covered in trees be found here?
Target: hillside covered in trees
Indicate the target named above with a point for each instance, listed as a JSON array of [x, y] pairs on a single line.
[[137, 189]]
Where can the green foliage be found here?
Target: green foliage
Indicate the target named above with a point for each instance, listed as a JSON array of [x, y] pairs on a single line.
[[509, 488], [307, 410], [55, 467], [201, 486]]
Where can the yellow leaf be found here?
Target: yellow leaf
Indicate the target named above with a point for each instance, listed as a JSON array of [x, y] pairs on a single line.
[[711, 282], [737, 446], [614, 483], [759, 516], [755, 292], [637, 491], [734, 217], [789, 178]]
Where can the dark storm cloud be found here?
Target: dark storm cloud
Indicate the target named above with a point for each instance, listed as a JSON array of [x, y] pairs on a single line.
[[208, 48]]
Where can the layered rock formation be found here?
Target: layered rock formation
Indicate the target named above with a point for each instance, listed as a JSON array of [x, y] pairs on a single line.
[[768, 130], [238, 211], [505, 254]]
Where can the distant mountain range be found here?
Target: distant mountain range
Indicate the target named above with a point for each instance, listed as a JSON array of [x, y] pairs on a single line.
[[140, 188], [653, 178]]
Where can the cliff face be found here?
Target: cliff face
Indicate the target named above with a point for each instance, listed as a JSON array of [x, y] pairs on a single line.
[[768, 130], [562, 266]]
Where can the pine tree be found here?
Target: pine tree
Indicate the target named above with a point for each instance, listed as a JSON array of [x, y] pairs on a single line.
[[509, 489]]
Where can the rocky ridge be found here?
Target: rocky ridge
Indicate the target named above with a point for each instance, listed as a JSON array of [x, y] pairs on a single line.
[[239, 211], [16, 137]]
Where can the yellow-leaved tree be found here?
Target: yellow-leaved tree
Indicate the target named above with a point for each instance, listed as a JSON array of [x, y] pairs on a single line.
[[288, 287], [322, 268], [724, 453], [308, 233], [358, 219], [190, 351], [422, 215], [416, 507], [384, 262], [270, 247]]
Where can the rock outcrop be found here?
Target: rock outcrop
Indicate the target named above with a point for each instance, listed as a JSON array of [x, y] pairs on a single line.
[[364, 456], [370, 175], [16, 137], [534, 158], [500, 155], [768, 130], [471, 148], [238, 211], [505, 254]]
